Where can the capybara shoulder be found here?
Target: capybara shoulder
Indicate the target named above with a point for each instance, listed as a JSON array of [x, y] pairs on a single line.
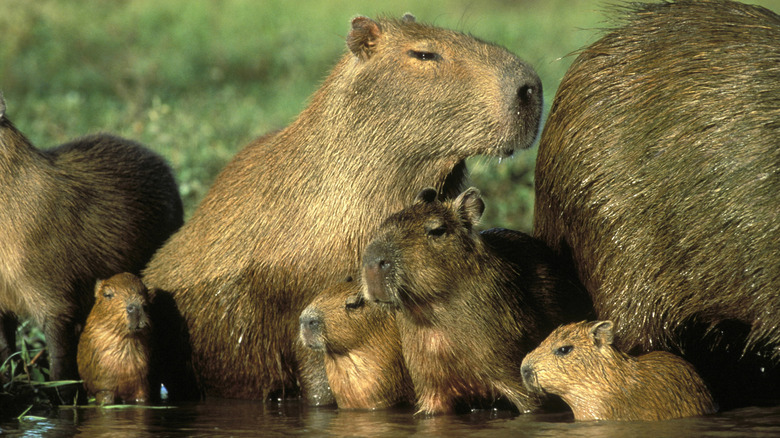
[[362, 351], [113, 352], [467, 306], [579, 363], [402, 110]]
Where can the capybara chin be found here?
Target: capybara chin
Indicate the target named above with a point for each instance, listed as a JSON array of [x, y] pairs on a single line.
[[113, 353], [657, 176], [68, 216], [579, 363], [293, 211], [468, 305], [361, 348]]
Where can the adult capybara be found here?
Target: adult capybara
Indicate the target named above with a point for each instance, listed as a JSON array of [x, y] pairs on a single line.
[[468, 305], [362, 351], [402, 110], [599, 382], [68, 216], [657, 175], [113, 353]]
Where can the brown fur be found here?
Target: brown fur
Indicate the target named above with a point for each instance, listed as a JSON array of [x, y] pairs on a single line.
[[599, 382], [468, 305], [294, 210], [113, 353], [657, 177], [68, 216], [361, 348]]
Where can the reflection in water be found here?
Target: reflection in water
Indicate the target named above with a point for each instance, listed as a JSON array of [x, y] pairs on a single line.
[[217, 417]]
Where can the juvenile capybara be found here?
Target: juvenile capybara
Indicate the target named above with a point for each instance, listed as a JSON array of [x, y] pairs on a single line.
[[657, 176], [468, 305], [599, 382], [362, 351], [68, 216], [113, 353], [402, 110]]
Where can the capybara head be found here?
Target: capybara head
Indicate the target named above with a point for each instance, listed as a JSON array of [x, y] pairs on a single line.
[[123, 300], [421, 250], [363, 358], [445, 80]]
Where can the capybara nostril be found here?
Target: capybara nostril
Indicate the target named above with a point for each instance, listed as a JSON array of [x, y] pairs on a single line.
[[526, 93], [133, 309]]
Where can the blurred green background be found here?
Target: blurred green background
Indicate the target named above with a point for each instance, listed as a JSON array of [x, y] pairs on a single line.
[[198, 80]]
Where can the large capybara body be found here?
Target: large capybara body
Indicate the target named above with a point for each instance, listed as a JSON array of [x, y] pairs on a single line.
[[579, 363], [468, 305], [293, 211], [68, 216], [657, 175], [361, 347], [114, 348]]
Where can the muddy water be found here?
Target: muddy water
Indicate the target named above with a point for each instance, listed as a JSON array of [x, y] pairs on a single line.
[[243, 418]]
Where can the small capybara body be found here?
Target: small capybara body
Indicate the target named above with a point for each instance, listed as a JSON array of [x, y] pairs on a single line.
[[657, 176], [114, 348], [362, 351], [468, 305], [579, 363], [402, 110], [68, 216]]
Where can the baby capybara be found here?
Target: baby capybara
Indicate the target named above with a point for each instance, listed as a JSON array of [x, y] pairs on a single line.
[[113, 353], [293, 211], [579, 363], [468, 305], [362, 351], [68, 216]]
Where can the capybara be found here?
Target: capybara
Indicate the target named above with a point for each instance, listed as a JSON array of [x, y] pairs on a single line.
[[599, 382], [362, 351], [468, 305], [84, 210], [113, 353], [293, 211], [657, 176]]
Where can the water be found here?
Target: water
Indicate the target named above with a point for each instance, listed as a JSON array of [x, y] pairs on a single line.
[[215, 418]]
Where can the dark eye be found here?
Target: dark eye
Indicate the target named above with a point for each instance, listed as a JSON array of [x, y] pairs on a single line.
[[437, 231], [563, 351], [354, 302], [108, 295], [424, 56]]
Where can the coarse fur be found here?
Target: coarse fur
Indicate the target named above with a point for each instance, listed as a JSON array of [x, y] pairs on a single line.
[[402, 110], [113, 352], [468, 305], [657, 176], [579, 363], [69, 215], [362, 351]]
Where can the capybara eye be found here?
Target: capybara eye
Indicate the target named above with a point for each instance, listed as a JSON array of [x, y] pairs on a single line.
[[354, 302], [424, 56], [108, 295], [563, 351], [438, 231]]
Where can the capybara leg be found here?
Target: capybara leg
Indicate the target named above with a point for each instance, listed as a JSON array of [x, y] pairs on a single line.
[[313, 379], [8, 325], [104, 398], [141, 395], [61, 341]]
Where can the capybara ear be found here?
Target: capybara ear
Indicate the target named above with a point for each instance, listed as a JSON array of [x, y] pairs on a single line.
[[469, 206], [98, 288], [426, 196], [408, 18], [2, 105], [363, 37], [601, 332]]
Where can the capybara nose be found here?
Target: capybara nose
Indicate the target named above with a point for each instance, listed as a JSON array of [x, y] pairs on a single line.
[[528, 373], [133, 309], [311, 321]]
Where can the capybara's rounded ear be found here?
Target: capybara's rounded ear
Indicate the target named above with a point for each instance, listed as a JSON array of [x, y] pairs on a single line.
[[601, 333], [98, 287], [363, 37], [409, 18], [2, 105], [469, 206], [426, 196]]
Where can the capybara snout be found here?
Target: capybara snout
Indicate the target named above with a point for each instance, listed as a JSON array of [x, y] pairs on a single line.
[[312, 326], [378, 271]]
